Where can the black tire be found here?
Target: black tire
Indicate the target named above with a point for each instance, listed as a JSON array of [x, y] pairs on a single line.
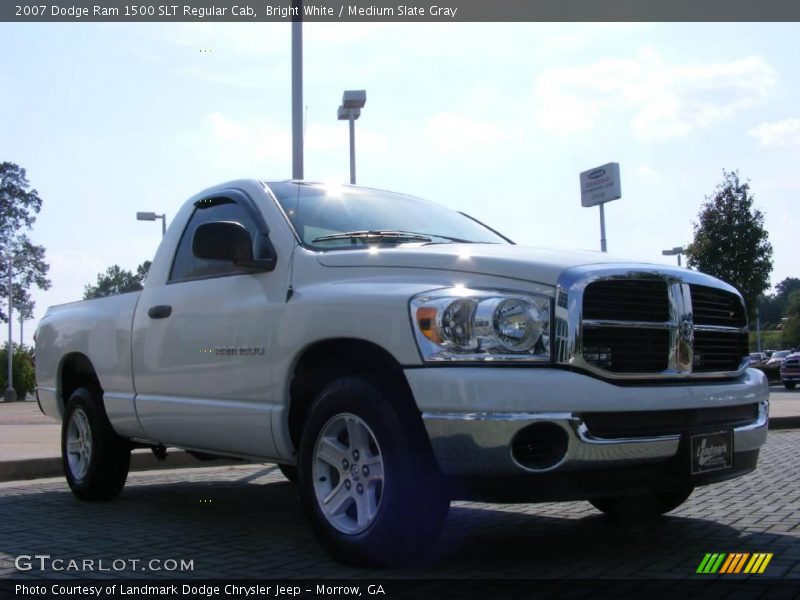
[[289, 471], [103, 475], [641, 507], [409, 502], [789, 385]]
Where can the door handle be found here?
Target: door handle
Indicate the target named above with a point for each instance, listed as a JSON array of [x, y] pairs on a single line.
[[162, 311]]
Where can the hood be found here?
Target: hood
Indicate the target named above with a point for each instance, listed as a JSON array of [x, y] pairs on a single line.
[[517, 262]]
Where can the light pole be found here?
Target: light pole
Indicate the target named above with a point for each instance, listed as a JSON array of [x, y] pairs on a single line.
[[151, 216], [11, 394], [297, 89], [677, 250], [352, 103], [758, 326]]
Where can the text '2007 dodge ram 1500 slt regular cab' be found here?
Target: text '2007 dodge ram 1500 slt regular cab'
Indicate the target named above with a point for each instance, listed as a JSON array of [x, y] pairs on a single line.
[[394, 355]]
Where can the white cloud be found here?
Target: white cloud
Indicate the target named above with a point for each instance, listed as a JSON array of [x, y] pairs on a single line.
[[778, 133], [660, 100], [457, 133], [256, 138], [345, 33], [648, 173], [238, 39], [337, 139], [229, 146]]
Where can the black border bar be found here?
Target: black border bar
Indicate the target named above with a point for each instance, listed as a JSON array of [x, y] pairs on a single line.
[[706, 587], [401, 11]]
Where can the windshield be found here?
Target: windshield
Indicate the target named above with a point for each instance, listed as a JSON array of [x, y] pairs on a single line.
[[362, 216], [781, 354]]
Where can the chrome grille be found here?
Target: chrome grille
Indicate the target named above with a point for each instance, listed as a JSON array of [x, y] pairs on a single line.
[[713, 306], [627, 300], [642, 323], [791, 363], [719, 351], [623, 350]]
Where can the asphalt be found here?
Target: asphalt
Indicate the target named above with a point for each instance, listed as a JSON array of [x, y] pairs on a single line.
[[30, 441]]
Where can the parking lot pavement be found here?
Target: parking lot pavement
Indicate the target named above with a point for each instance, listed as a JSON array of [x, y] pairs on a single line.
[[245, 521]]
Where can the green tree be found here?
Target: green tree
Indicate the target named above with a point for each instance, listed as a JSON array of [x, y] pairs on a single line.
[[787, 286], [773, 307], [730, 241], [19, 205], [23, 372], [117, 280], [791, 329]]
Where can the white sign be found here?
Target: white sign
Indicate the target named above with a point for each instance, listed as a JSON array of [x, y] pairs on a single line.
[[600, 185]]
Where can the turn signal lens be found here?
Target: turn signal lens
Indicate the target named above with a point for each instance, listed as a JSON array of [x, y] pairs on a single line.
[[426, 321]]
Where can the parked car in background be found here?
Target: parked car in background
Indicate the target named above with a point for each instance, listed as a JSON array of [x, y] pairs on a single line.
[[778, 356], [756, 358], [790, 370], [772, 366]]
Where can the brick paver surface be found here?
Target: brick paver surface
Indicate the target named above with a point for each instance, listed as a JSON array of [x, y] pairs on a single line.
[[245, 521]]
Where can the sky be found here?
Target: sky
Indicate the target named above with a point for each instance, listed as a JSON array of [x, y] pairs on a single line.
[[496, 120]]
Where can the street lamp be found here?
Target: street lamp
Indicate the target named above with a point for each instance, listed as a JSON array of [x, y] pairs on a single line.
[[11, 393], [677, 250], [151, 216], [352, 103]]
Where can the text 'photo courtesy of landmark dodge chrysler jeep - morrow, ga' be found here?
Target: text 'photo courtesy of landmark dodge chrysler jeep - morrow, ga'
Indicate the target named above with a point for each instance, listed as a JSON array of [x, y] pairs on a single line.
[[394, 355]]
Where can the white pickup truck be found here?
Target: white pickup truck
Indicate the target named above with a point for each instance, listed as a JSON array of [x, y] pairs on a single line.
[[393, 355]]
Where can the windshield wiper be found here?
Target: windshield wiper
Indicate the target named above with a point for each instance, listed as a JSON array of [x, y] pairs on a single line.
[[380, 236], [394, 236]]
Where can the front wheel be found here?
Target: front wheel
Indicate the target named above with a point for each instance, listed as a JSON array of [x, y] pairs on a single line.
[[789, 385], [368, 478], [95, 458], [642, 506]]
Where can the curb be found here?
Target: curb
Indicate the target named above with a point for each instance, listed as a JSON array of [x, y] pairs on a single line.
[[40, 468], [784, 423]]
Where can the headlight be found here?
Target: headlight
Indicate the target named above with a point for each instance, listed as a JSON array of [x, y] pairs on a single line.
[[458, 324]]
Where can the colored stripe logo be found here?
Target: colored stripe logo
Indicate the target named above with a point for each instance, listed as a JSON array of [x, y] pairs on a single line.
[[734, 563]]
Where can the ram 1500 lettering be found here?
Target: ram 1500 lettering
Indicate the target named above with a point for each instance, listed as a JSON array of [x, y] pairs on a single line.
[[393, 355]]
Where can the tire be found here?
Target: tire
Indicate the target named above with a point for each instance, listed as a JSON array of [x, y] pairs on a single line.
[[289, 471], [364, 449], [789, 385], [641, 507], [95, 459]]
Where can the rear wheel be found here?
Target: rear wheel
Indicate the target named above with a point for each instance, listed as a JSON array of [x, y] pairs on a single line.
[[642, 506], [368, 478], [94, 457], [789, 385]]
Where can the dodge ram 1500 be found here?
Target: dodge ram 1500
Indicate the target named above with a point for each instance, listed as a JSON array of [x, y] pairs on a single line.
[[393, 355]]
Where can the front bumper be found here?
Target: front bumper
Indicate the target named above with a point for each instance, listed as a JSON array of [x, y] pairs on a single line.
[[472, 416], [793, 376]]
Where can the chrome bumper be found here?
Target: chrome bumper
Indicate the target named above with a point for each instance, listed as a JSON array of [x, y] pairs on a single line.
[[480, 443]]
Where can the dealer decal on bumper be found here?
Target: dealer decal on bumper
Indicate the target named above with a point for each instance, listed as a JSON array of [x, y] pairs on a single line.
[[712, 451]]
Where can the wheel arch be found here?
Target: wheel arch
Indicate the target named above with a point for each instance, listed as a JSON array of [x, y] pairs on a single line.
[[322, 362], [76, 370]]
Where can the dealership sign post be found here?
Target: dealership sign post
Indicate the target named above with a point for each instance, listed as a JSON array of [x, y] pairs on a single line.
[[598, 186]]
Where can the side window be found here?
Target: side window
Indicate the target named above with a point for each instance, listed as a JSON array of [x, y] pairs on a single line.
[[186, 265]]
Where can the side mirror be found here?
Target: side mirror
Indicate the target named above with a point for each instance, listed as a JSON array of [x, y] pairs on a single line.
[[228, 240]]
